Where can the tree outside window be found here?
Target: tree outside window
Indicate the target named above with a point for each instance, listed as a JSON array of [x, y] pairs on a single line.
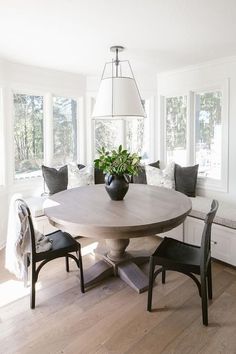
[[108, 134], [28, 135], [132, 133], [207, 124], [64, 130], [208, 133], [176, 129]]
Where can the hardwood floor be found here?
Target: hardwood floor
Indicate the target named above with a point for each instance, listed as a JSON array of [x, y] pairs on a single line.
[[111, 318]]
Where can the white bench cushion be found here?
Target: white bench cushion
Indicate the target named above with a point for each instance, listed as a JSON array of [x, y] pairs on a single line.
[[226, 214], [36, 205]]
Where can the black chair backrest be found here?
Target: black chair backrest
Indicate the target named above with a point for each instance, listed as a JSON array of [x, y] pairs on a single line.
[[27, 228], [206, 235]]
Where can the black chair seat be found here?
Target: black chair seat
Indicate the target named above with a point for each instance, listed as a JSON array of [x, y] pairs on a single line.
[[62, 243], [176, 253]]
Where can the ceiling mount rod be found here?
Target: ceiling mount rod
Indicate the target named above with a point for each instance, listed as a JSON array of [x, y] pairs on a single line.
[[117, 49]]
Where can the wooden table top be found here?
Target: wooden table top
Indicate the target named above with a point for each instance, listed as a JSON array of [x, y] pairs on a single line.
[[88, 211]]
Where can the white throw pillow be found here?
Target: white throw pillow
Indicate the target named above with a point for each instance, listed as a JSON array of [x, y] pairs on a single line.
[[160, 178], [79, 178], [153, 175]]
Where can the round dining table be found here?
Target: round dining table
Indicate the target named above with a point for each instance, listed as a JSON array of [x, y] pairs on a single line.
[[145, 211]]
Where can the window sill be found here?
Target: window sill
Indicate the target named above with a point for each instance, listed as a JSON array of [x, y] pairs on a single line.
[[30, 186]]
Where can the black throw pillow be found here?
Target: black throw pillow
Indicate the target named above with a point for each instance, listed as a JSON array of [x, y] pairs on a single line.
[[56, 180], [155, 164], [186, 179], [141, 177], [80, 166]]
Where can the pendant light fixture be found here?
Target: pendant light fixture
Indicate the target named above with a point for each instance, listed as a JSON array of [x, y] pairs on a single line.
[[118, 95]]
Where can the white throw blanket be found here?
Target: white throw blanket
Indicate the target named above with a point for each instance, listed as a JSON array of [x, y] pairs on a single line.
[[16, 247]]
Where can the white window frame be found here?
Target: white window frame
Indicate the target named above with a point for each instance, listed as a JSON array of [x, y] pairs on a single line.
[[223, 86], [163, 113], [207, 182], [80, 125], [30, 92], [47, 128]]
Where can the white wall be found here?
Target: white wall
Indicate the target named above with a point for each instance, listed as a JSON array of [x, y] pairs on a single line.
[[208, 74], [33, 80]]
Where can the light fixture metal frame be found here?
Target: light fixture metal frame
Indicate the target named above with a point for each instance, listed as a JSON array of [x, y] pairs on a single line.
[[116, 63]]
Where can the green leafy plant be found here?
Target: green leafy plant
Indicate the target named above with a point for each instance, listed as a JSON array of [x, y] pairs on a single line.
[[118, 162]]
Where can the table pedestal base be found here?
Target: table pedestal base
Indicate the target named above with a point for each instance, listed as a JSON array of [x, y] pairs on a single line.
[[120, 263]]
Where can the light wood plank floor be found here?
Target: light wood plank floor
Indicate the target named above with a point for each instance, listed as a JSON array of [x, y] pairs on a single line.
[[112, 318]]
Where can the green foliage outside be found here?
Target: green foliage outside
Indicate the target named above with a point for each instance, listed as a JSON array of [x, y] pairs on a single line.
[[106, 134], [208, 115], [28, 132], [118, 162], [64, 130], [135, 135], [176, 121]]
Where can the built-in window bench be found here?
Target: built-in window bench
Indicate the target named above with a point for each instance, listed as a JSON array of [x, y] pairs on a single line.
[[223, 229], [223, 237]]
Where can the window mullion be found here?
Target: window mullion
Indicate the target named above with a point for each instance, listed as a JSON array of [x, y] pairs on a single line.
[[162, 128], [191, 129], [81, 132]]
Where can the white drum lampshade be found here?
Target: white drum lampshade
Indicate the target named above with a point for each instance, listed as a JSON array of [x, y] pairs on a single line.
[[118, 94]]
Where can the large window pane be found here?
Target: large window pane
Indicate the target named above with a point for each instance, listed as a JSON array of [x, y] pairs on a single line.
[[176, 123], [137, 139], [28, 135], [137, 135], [108, 134], [208, 128], [64, 130]]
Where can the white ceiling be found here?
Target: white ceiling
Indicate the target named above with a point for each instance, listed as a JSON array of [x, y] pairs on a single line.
[[75, 35]]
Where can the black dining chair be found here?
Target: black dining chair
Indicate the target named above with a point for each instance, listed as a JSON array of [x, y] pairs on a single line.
[[188, 259], [62, 246]]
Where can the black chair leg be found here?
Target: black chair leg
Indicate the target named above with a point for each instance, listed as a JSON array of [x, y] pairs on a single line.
[[67, 263], [25, 270], [163, 275], [204, 299], [81, 270], [33, 282], [209, 281], [150, 286]]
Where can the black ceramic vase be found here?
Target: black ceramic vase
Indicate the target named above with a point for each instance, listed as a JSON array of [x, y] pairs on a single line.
[[116, 186]]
